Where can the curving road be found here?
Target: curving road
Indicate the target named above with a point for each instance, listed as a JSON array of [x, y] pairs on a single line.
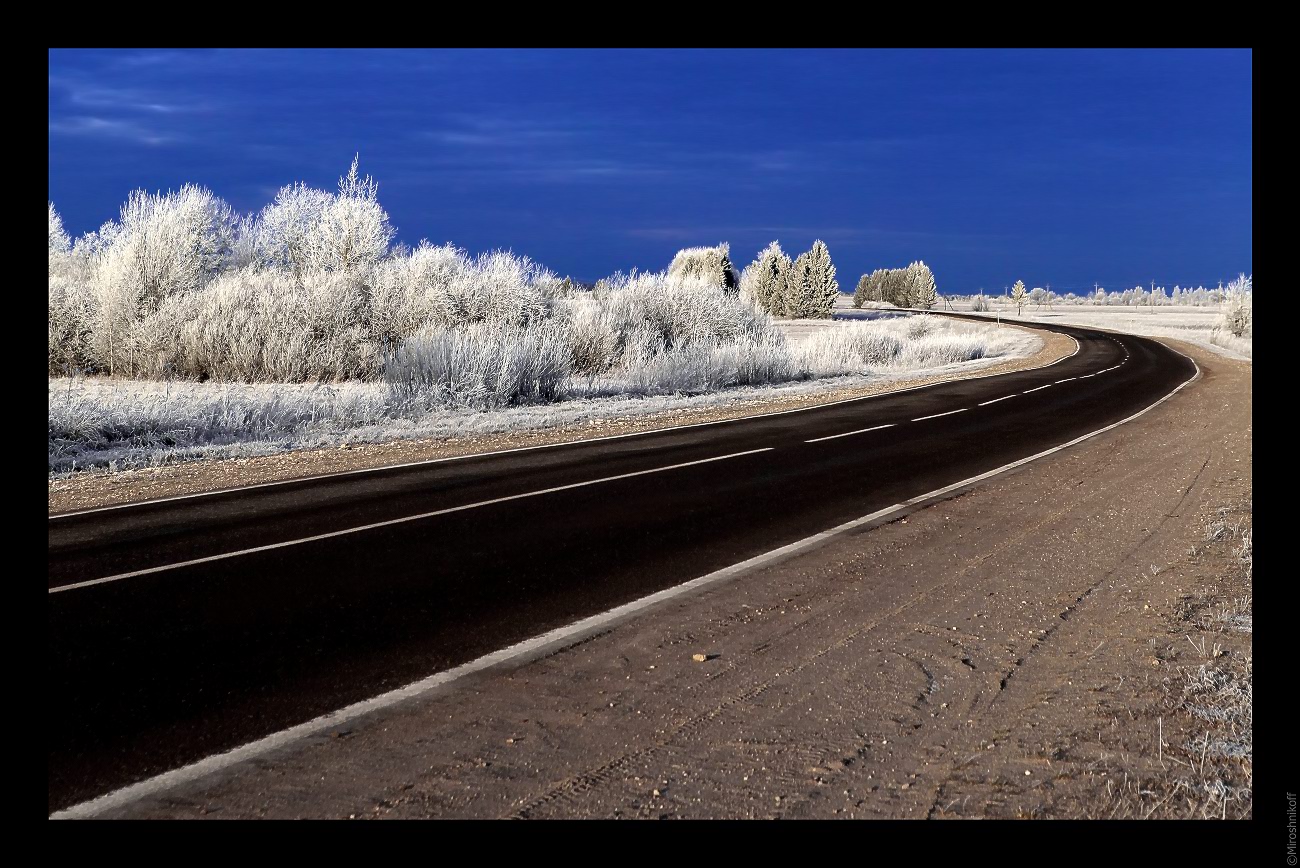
[[186, 627]]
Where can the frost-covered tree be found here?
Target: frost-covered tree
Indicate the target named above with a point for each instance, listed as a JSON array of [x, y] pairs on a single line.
[[711, 264], [306, 230], [767, 278], [286, 228], [169, 243], [59, 241], [1019, 296], [1238, 315], [813, 288], [871, 287], [163, 245], [860, 291], [903, 286], [924, 292], [354, 231]]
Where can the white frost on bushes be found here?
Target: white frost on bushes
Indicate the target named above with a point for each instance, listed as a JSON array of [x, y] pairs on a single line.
[[333, 331], [112, 422]]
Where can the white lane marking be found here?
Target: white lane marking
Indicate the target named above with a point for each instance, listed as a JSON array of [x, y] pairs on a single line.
[[1066, 380], [538, 646], [408, 518], [1086, 376], [409, 464], [994, 401], [937, 415], [1035, 389], [849, 433]]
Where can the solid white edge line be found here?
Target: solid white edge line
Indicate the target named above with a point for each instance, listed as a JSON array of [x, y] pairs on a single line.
[[1067, 379], [850, 433], [1035, 389], [343, 473], [538, 646], [403, 520], [994, 401], [937, 415]]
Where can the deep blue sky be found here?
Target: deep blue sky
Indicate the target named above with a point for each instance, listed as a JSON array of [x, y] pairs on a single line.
[[1060, 167]]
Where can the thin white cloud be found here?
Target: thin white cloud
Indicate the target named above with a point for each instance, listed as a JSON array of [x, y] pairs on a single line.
[[88, 126]]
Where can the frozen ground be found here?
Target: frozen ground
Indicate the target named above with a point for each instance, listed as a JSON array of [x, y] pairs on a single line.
[[97, 422], [1192, 324]]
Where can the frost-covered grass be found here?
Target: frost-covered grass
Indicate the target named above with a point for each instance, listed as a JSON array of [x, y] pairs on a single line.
[[905, 343], [117, 423], [1197, 325]]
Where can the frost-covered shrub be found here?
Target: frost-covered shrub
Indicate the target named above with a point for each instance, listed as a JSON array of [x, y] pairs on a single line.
[[919, 326], [681, 309], [264, 327], [1237, 317], [979, 303], [595, 336], [712, 265], [70, 317], [443, 286], [479, 366]]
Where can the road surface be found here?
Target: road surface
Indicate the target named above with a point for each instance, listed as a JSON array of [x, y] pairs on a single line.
[[186, 627]]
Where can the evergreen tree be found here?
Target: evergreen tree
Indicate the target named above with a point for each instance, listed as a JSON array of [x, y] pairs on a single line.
[[813, 288], [926, 291], [766, 279], [862, 291]]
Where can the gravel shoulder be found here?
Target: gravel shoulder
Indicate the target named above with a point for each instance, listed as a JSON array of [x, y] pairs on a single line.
[[1021, 650], [97, 488]]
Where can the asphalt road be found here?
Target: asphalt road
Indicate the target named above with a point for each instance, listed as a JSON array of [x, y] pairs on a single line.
[[186, 627]]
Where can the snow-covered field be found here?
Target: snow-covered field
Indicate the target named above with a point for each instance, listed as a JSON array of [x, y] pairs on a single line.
[[101, 422], [1197, 325]]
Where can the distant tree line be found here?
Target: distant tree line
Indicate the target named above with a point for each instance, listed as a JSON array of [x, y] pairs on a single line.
[[912, 286]]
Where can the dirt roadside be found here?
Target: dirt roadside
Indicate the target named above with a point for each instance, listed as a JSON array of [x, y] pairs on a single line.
[[102, 488], [1032, 648]]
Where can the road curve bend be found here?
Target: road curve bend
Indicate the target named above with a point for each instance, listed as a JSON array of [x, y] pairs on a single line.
[[185, 627]]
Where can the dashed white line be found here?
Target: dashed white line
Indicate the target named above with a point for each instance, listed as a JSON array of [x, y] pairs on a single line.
[[849, 433], [1035, 389], [937, 415], [390, 522], [994, 401], [1067, 379]]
